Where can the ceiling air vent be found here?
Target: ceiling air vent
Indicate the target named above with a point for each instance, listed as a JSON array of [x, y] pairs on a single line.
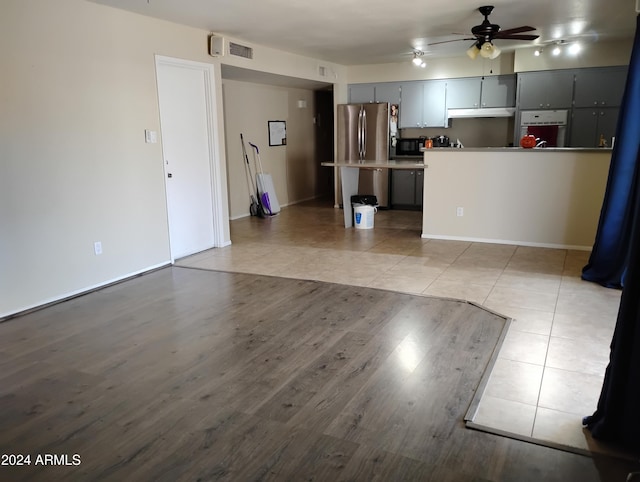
[[240, 50], [322, 71]]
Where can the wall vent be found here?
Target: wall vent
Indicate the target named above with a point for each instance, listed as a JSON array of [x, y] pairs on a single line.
[[240, 50], [322, 71]]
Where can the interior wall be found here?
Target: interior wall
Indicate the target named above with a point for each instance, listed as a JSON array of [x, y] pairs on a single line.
[[594, 54], [481, 132], [78, 91], [530, 197], [437, 68], [247, 108]]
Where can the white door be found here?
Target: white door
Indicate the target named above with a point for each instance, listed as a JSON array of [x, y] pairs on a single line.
[[184, 100]]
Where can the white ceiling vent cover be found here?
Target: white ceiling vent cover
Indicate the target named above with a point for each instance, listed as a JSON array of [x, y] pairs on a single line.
[[322, 70], [240, 50]]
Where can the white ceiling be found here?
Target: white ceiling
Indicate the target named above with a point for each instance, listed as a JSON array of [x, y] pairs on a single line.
[[352, 32]]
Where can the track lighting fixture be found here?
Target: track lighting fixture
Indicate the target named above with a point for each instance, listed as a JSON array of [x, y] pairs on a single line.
[[559, 46]]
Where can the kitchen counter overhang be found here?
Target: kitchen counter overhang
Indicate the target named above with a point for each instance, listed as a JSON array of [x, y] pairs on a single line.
[[350, 173]]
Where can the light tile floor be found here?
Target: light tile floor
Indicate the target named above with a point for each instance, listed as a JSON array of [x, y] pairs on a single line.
[[550, 368]]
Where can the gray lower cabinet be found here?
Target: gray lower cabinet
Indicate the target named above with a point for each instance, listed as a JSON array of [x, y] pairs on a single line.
[[588, 125], [407, 187]]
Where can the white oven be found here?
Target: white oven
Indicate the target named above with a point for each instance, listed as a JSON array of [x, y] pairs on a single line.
[[549, 126]]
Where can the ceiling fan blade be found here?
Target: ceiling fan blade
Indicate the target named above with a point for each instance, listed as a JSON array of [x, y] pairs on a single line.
[[510, 31], [456, 40], [517, 37]]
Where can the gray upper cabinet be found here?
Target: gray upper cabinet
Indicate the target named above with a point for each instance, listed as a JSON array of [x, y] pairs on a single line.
[[411, 106], [362, 93], [479, 92], [498, 91], [434, 103], [388, 92], [464, 93], [600, 87], [423, 104], [551, 89]]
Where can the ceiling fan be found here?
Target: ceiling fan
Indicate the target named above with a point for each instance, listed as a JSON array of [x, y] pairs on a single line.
[[485, 33]]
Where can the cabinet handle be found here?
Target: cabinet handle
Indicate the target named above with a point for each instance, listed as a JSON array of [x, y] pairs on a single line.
[[594, 113], [595, 102]]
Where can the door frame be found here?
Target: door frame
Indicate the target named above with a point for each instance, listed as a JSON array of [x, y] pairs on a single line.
[[215, 158]]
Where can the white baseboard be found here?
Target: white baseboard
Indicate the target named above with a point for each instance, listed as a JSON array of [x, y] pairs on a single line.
[[507, 241]]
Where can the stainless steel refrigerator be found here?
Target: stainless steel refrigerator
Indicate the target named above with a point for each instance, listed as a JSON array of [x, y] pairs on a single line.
[[363, 135]]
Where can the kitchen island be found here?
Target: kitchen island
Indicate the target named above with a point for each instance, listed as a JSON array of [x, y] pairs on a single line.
[[548, 197], [350, 173]]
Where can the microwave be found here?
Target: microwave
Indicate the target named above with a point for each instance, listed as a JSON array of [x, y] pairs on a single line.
[[409, 146]]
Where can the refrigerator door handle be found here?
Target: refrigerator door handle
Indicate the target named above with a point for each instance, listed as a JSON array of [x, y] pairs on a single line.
[[364, 133], [360, 133]]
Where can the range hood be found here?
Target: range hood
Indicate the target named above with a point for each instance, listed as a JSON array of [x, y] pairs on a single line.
[[484, 112]]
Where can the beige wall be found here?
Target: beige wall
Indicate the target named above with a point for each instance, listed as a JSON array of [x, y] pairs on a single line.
[[481, 132], [248, 107], [538, 197], [594, 55], [78, 89]]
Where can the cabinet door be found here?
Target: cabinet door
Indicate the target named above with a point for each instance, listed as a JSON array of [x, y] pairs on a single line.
[[551, 89], [412, 104], [362, 93], [600, 87], [587, 125], [434, 103], [388, 92], [403, 188], [498, 91], [463, 93], [419, 186], [607, 123]]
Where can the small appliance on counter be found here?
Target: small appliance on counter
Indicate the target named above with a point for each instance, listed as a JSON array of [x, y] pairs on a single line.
[[409, 146], [441, 141]]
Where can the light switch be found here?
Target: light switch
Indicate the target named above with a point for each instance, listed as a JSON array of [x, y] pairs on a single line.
[[150, 137]]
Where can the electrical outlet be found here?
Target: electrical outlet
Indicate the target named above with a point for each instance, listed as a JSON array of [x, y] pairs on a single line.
[[459, 212], [97, 247]]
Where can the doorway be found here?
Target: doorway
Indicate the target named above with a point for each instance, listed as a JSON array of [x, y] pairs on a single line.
[[192, 169]]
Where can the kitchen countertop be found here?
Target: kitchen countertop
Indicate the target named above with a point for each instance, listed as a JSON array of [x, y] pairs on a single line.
[[416, 163], [519, 149]]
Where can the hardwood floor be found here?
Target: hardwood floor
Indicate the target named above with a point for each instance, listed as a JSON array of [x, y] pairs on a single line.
[[187, 374]]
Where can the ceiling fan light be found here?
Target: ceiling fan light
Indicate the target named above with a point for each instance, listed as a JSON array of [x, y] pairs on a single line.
[[473, 51], [417, 61], [496, 52], [537, 52], [486, 50], [556, 51]]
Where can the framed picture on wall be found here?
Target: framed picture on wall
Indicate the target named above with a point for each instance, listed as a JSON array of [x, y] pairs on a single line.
[[277, 133]]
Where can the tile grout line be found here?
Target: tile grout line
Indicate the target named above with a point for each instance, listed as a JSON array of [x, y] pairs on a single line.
[[546, 355]]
